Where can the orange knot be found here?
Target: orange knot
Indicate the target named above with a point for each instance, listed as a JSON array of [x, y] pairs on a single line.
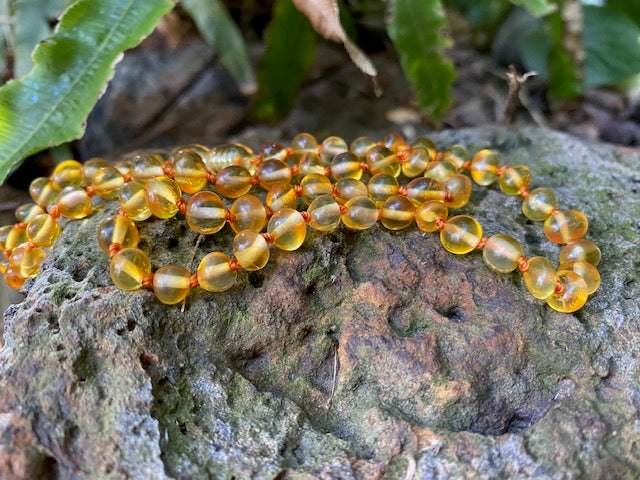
[[289, 151], [559, 290], [298, 190], [147, 281], [113, 249], [234, 264], [439, 156], [229, 217], [122, 213], [524, 192], [327, 171], [335, 191], [29, 246], [365, 166], [193, 281], [268, 211], [294, 170], [343, 210], [380, 210], [501, 170], [306, 216], [54, 211], [440, 223], [167, 168], [255, 180], [91, 191], [211, 178], [523, 264], [6, 253], [269, 237], [319, 149], [555, 211], [255, 160], [483, 241], [448, 198], [466, 165], [181, 203], [402, 190], [128, 177], [20, 225], [402, 155]]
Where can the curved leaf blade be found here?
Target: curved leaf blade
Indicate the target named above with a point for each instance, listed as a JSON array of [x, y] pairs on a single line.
[[50, 104]]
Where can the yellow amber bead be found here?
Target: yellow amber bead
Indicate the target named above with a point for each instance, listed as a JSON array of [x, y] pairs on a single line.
[[223, 156], [74, 202], [428, 213], [361, 146], [417, 160], [397, 213], [383, 160], [483, 167], [43, 230], [346, 165], [421, 189], [205, 213], [580, 250], [426, 143], [348, 188], [393, 141], [147, 167], [189, 171], [539, 204], [5, 231], [381, 187], [566, 226], [13, 279], [288, 229], [304, 142], [133, 200], [282, 196], [43, 192], [27, 212], [4, 264], [107, 183], [91, 167], [25, 260], [162, 197], [332, 146], [171, 284], [251, 250], [67, 173], [233, 181], [573, 295], [324, 213], [588, 272], [540, 278], [124, 167], [16, 236], [360, 213], [129, 267], [439, 171], [457, 155], [458, 188], [314, 186], [273, 172], [461, 234], [273, 151], [215, 273], [117, 229], [249, 214], [513, 179], [310, 163], [501, 253]]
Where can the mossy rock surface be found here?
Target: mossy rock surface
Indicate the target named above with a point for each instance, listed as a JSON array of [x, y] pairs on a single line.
[[443, 368]]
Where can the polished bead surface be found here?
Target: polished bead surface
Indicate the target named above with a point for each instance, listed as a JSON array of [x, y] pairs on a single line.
[[28, 211], [501, 253], [314, 186], [566, 226], [421, 190], [539, 204], [117, 229], [540, 278], [162, 197], [16, 235], [91, 167], [205, 213], [171, 284], [397, 212], [74, 202], [251, 250], [483, 167], [282, 196], [581, 249], [382, 160], [513, 179], [332, 146], [215, 273], [189, 171], [133, 200], [417, 160], [573, 295], [458, 188], [348, 188], [361, 146], [272, 172], [249, 214], [381, 187], [5, 231], [146, 167], [309, 163], [12, 279], [226, 155], [67, 173], [43, 192], [107, 183], [360, 213], [43, 230], [304, 142], [346, 165], [393, 141], [588, 272], [129, 267], [233, 181], [288, 229], [461, 234], [428, 213], [439, 171], [25, 260], [457, 155], [324, 214]]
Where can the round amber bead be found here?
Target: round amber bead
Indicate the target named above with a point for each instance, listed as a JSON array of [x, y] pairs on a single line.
[[461, 234], [332, 146], [91, 167], [15, 236], [540, 277], [25, 260], [129, 267], [205, 213], [124, 167], [324, 213], [273, 151], [74, 202], [189, 171], [27, 212], [588, 272], [439, 171], [513, 179], [360, 213], [361, 146], [282, 196], [304, 142], [249, 214], [226, 155], [4, 264], [117, 229], [43, 192], [348, 188], [310, 163], [314, 186], [428, 213], [426, 143], [43, 230], [483, 167], [573, 294], [107, 183], [397, 213], [346, 165], [457, 155], [566, 226], [381, 187], [13, 279], [417, 160], [539, 204], [133, 200], [251, 250], [233, 181], [580, 250], [288, 229], [215, 274], [458, 188], [383, 160], [393, 141], [5, 231], [67, 173], [146, 167], [501, 253], [421, 189], [162, 197], [272, 172], [171, 284]]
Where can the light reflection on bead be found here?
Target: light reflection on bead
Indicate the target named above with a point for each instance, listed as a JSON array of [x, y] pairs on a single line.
[[439, 171], [501, 253], [288, 229], [67, 173], [573, 295], [588, 272], [15, 236], [383, 160], [43, 230], [129, 267], [74, 202], [117, 229], [539, 204], [566, 226], [421, 189], [233, 181], [417, 160], [458, 187], [205, 213], [249, 214], [397, 213], [25, 260], [43, 192], [223, 156], [12, 279], [540, 278], [513, 179], [324, 214], [133, 200], [348, 188], [91, 167], [251, 250], [189, 171], [381, 187], [361, 146], [332, 146], [461, 234], [457, 155], [107, 183], [310, 163], [346, 165], [215, 273], [580, 250], [162, 197], [282, 196], [314, 186], [27, 212], [146, 167], [483, 167], [273, 172], [360, 213], [428, 213], [171, 284]]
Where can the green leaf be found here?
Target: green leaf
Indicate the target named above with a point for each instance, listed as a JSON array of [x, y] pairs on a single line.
[[50, 105], [631, 8], [291, 46], [537, 8], [221, 32], [414, 27]]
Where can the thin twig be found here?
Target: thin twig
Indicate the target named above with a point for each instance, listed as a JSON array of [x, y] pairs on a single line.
[[516, 81], [193, 255], [335, 376]]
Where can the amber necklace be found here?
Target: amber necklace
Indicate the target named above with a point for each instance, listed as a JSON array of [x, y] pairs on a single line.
[[328, 178]]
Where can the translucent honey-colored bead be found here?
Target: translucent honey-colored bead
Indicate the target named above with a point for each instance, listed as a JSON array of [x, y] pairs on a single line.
[[397, 213], [74, 202], [215, 274], [314, 186], [226, 155], [107, 183], [332, 146], [233, 181], [171, 284], [189, 171], [249, 214], [288, 229], [133, 200], [117, 229], [428, 213], [439, 171], [483, 167], [393, 141], [574, 292], [67, 173], [162, 197], [540, 278], [580, 250], [91, 167], [304, 142], [272, 172], [282, 196], [28, 211], [205, 213], [461, 234], [513, 179], [273, 151], [346, 165], [458, 187], [309, 163], [147, 167], [417, 160], [124, 167], [360, 213], [361, 146], [251, 250], [588, 272], [129, 267], [422, 189], [501, 253], [539, 204], [5, 230], [566, 226], [457, 155], [43, 230], [383, 160], [4, 264], [17, 235], [324, 213], [43, 192], [12, 279], [426, 143], [25, 260], [381, 187], [348, 188], [201, 150]]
